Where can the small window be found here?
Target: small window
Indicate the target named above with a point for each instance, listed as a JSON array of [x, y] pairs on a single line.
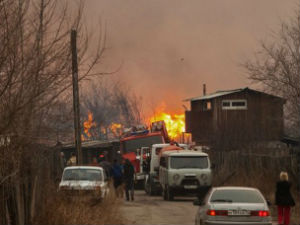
[[157, 151], [226, 103], [208, 105], [240, 103], [234, 104], [162, 162]]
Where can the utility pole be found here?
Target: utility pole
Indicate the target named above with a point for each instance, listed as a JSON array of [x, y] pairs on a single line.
[[76, 96]]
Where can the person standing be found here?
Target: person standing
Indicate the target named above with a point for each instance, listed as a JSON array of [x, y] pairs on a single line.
[[284, 199], [129, 179], [72, 160], [116, 172]]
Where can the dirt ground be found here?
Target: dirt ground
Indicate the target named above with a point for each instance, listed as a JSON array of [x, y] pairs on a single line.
[[154, 210]]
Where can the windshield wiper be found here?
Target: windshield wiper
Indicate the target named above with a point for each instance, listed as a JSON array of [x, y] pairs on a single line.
[[221, 200]]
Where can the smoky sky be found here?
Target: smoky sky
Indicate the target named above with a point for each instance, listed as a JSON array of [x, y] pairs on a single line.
[[169, 48]]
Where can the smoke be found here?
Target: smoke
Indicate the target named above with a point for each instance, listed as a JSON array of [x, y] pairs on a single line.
[[169, 48]]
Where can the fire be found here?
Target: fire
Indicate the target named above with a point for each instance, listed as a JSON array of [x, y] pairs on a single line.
[[116, 129], [88, 124], [175, 123]]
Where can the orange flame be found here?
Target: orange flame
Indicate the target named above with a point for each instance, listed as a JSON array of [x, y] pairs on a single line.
[[175, 123], [116, 129], [88, 124]]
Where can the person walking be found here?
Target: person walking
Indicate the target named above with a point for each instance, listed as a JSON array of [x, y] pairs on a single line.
[[116, 172], [129, 179], [284, 199], [72, 161]]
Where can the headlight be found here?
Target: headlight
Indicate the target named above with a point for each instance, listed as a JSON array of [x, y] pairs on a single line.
[[176, 176], [203, 177]]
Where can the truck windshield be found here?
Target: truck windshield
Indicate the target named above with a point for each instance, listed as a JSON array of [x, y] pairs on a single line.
[[82, 174], [180, 162], [132, 145]]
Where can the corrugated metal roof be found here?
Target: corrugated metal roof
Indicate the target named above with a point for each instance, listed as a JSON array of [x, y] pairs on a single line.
[[91, 144], [215, 95]]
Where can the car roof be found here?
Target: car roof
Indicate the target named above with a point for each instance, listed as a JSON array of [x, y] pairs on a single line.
[[84, 167], [184, 153], [235, 188]]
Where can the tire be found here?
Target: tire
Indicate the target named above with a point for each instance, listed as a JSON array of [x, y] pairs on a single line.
[[151, 189], [164, 193], [169, 194], [146, 187]]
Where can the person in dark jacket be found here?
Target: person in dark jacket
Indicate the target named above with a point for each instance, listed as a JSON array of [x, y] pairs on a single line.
[[128, 172], [117, 175], [284, 199]]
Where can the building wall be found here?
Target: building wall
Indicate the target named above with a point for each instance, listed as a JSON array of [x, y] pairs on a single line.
[[261, 121]]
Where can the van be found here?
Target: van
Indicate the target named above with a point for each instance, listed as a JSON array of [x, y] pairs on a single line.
[[184, 172], [152, 185]]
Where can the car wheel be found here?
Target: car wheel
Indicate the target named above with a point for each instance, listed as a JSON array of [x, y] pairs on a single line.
[[164, 193], [151, 189], [146, 187], [170, 196]]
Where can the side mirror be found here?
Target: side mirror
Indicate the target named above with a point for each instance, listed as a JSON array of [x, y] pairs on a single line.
[[213, 166], [197, 202], [268, 202], [156, 168]]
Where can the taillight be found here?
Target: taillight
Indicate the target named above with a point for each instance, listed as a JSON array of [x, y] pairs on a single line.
[[261, 213], [217, 212]]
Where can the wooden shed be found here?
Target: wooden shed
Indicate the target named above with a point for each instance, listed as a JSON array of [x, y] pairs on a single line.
[[235, 117]]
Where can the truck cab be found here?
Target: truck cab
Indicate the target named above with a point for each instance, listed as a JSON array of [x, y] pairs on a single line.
[[184, 172]]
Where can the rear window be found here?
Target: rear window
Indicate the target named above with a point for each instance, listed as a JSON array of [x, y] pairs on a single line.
[[82, 174], [238, 196], [180, 162]]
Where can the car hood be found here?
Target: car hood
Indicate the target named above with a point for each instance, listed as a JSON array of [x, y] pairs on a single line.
[[81, 184]]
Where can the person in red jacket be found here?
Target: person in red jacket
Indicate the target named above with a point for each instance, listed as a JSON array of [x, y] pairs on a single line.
[[284, 199]]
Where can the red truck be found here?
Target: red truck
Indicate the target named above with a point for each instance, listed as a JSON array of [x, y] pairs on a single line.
[[132, 143]]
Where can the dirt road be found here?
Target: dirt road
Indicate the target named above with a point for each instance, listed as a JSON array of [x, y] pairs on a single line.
[[154, 210]]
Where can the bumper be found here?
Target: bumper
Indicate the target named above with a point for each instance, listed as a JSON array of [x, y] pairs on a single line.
[[190, 188], [235, 223]]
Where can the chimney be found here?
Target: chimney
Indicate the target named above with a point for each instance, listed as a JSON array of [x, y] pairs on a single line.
[[204, 89]]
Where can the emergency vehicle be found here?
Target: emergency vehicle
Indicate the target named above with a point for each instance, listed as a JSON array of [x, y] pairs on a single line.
[[137, 137]]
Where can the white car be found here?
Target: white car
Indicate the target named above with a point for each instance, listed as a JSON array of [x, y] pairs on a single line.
[[90, 180], [233, 205]]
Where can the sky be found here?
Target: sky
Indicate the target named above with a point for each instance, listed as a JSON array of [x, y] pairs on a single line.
[[168, 49]]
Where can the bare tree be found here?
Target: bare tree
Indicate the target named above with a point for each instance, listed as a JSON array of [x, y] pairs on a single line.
[[35, 75], [111, 102], [277, 68]]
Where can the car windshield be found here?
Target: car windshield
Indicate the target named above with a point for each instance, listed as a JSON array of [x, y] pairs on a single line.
[[82, 174], [238, 196], [132, 145], [179, 162]]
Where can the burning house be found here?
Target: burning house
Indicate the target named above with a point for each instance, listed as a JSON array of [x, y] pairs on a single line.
[[234, 117]]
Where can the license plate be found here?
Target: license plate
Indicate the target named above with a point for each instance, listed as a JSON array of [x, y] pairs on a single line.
[[238, 213], [190, 186]]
